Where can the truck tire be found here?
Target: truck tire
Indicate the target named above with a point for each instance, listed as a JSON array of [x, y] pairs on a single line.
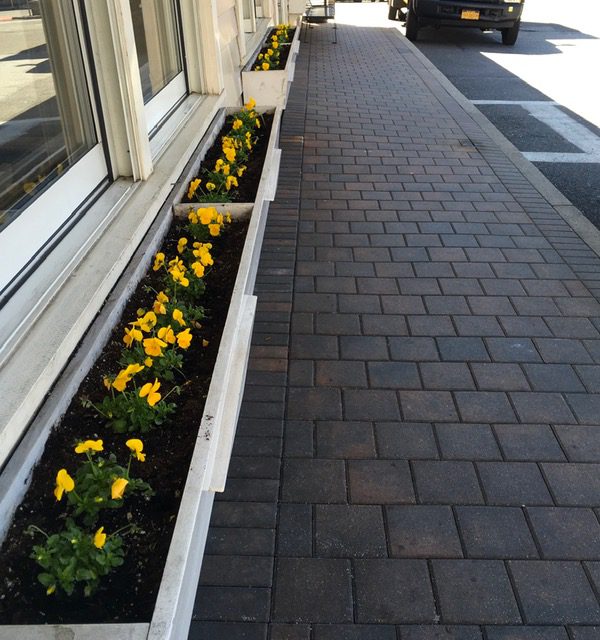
[[412, 25], [509, 36], [392, 13]]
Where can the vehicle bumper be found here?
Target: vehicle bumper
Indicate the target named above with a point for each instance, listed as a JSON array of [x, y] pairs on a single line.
[[448, 13]]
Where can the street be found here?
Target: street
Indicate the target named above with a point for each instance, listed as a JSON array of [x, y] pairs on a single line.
[[542, 94]]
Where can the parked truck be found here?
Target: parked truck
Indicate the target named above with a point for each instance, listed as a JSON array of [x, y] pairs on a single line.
[[503, 15]]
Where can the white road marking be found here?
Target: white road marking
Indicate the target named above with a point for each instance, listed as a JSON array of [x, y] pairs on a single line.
[[552, 116]]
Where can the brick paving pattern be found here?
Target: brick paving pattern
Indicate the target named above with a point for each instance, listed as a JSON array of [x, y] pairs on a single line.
[[418, 455]]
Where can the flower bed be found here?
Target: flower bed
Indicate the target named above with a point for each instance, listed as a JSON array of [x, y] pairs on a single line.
[[272, 85], [167, 614]]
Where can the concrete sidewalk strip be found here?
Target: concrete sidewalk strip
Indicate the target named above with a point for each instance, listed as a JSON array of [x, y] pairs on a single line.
[[418, 454]]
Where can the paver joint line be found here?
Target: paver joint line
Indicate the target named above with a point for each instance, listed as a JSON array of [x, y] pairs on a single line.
[[418, 453]]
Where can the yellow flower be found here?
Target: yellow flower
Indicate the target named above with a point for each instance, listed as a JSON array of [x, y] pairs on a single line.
[[153, 347], [184, 338], [159, 260], [181, 245], [206, 215], [257, 123], [275, 44], [228, 218], [218, 164], [28, 187], [147, 322], [198, 269], [270, 52], [99, 538], [194, 184], [51, 589], [250, 104], [64, 483], [237, 124], [230, 155], [150, 392], [132, 335], [148, 362], [205, 343], [178, 317], [167, 334], [159, 308], [137, 447], [214, 229], [179, 276], [192, 217], [226, 169], [118, 488], [89, 445], [231, 182], [162, 297], [125, 375], [241, 170], [210, 186], [106, 383]]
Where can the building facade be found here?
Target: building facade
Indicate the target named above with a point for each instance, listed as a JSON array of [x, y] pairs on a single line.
[[102, 105]]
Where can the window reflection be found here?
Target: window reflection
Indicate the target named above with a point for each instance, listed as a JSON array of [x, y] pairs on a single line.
[[157, 43], [46, 120]]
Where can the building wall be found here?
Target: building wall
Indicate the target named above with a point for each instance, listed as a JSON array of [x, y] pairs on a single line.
[[50, 300]]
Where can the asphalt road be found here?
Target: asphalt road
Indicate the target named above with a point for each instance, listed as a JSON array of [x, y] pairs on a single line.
[[543, 94]]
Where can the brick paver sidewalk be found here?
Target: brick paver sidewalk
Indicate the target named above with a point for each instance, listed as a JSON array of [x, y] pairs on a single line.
[[418, 450]]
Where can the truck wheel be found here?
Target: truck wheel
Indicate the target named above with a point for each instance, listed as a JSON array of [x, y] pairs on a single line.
[[392, 13], [509, 36], [412, 25]]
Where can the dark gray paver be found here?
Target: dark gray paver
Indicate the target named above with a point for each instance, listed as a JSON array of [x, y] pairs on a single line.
[[513, 483], [355, 531], [495, 532], [566, 533], [526, 633], [475, 592], [380, 482], [554, 592], [354, 632], [393, 591], [440, 632], [405, 440], [422, 531], [312, 590], [446, 482]]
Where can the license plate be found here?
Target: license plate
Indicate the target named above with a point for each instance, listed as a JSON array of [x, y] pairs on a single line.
[[467, 14]]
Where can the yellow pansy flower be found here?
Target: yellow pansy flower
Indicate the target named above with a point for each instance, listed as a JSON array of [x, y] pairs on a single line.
[[118, 488], [250, 104], [148, 362], [181, 245], [89, 445], [159, 260], [198, 269], [230, 154], [206, 215], [214, 229], [64, 484], [231, 182], [194, 184], [167, 334], [132, 335], [192, 217], [237, 124], [210, 186], [150, 392], [153, 347], [178, 317], [136, 446], [99, 538], [184, 338]]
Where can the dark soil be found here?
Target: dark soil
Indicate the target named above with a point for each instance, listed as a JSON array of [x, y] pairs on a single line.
[[128, 594], [248, 185], [283, 56]]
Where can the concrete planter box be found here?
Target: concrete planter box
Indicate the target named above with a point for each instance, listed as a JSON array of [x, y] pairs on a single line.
[[212, 451], [296, 7], [271, 87]]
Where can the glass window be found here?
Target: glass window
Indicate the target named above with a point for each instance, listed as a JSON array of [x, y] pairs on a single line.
[[157, 43], [46, 121]]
